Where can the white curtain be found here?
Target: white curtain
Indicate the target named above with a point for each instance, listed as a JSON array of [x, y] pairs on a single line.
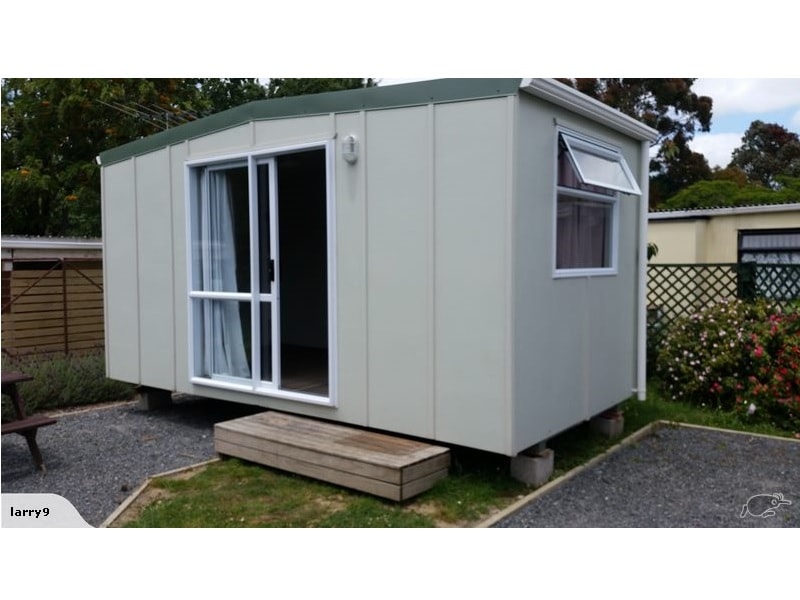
[[582, 234], [224, 351]]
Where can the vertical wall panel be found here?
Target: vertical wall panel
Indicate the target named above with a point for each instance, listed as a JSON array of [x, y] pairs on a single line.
[[155, 269], [351, 279], [574, 338], [472, 200], [284, 132], [227, 141], [399, 270], [120, 272], [180, 276]]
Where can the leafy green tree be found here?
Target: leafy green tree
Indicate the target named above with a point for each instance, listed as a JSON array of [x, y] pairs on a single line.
[[680, 168], [729, 173], [282, 87], [768, 150], [222, 94], [726, 193], [667, 105], [53, 129]]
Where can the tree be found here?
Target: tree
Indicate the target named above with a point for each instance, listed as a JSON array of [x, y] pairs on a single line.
[[768, 150], [734, 174], [52, 130], [670, 107], [681, 168], [222, 94], [718, 193], [281, 87]]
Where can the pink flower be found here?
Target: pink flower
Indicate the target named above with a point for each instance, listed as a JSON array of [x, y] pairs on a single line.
[[759, 352]]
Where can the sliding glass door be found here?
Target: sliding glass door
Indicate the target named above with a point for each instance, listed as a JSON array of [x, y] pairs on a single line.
[[241, 332]]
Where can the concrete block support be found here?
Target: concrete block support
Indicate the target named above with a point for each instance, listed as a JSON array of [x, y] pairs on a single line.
[[610, 423], [535, 468], [153, 398]]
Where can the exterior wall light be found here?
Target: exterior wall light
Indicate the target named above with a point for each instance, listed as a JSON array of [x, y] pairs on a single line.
[[350, 149]]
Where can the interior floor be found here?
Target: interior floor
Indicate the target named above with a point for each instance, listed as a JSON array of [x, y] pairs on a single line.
[[304, 369]]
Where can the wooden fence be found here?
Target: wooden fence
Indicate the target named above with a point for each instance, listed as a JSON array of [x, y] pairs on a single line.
[[52, 305]]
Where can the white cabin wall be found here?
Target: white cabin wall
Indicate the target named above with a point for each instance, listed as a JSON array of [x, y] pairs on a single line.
[[574, 338], [120, 271], [398, 157], [351, 278], [287, 132], [156, 271], [472, 192], [222, 142], [180, 280]]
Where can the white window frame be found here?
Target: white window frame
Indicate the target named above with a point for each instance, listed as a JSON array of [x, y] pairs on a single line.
[[576, 144], [254, 385], [596, 147]]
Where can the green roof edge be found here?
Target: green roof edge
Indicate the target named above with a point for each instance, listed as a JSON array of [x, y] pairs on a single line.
[[373, 98]]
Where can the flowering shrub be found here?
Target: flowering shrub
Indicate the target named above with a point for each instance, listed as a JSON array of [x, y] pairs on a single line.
[[734, 355], [772, 364]]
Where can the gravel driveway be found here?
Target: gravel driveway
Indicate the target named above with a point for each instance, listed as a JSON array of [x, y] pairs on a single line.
[[676, 477], [96, 458]]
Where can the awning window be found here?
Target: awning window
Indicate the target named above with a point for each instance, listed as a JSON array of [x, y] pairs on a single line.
[[599, 166]]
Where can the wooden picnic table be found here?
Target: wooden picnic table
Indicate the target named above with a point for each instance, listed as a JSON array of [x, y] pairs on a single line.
[[24, 425]]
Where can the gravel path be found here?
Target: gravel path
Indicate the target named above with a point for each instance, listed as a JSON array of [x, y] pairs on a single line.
[[677, 477], [96, 458]]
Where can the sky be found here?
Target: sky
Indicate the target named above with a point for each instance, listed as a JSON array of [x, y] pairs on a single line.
[[737, 103]]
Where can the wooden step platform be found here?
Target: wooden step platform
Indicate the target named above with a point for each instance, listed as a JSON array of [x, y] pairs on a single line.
[[379, 464]]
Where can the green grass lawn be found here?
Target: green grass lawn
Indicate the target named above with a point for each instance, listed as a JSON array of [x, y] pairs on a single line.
[[234, 493]]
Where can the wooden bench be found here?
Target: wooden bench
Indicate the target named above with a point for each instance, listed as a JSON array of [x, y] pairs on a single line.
[[28, 424], [24, 425]]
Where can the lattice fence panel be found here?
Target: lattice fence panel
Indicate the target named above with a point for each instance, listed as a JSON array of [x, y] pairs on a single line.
[[675, 291]]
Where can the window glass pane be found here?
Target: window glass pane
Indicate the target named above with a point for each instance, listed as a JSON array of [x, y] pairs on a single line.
[[583, 234], [222, 338], [600, 166], [568, 178], [771, 258], [221, 231], [778, 240], [266, 341], [265, 254], [601, 170]]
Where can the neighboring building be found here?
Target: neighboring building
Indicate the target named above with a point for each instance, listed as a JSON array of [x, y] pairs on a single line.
[[766, 234], [708, 254], [52, 294], [457, 260]]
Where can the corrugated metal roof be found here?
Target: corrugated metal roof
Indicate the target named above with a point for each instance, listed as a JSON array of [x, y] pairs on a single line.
[[14, 247], [19, 241], [722, 210], [373, 98]]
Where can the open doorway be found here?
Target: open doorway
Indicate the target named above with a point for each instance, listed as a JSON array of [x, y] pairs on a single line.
[[303, 272]]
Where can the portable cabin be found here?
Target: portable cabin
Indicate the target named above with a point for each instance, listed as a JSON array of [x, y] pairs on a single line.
[[459, 260]]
